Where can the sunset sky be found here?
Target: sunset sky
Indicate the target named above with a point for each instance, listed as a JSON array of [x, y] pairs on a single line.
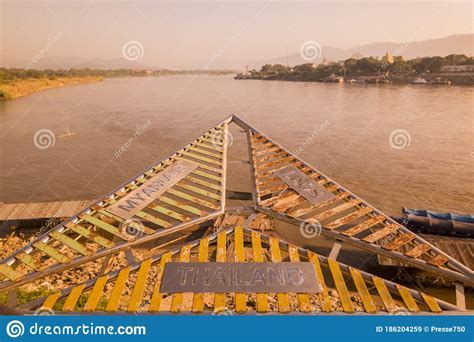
[[186, 34]]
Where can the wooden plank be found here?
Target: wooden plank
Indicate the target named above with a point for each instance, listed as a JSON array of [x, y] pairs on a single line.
[[304, 211], [153, 219], [407, 298], [331, 212], [89, 235], [169, 212], [303, 298], [71, 243], [262, 301], [115, 295], [9, 272], [198, 298], [364, 225], [50, 301], [340, 286], [364, 294], [194, 199], [221, 255], [72, 298], [438, 260], [157, 296], [199, 191], [348, 218], [324, 295], [29, 261], [200, 157], [206, 175], [106, 226], [50, 251], [205, 151], [431, 302], [240, 298], [418, 250], [178, 297], [182, 206], [381, 233], [283, 299], [203, 183], [401, 240], [384, 294], [96, 293]]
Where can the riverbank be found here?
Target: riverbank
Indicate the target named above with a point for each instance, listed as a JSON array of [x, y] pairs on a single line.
[[21, 87]]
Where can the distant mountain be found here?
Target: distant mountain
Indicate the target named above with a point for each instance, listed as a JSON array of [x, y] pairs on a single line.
[[81, 62], [460, 44]]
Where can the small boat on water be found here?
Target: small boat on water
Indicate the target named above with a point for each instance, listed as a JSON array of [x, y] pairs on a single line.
[[419, 80], [425, 221]]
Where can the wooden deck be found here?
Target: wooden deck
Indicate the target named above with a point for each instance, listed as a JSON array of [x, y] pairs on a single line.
[[40, 210]]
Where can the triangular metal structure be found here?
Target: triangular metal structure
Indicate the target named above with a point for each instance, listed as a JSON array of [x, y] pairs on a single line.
[[138, 287], [343, 216], [189, 196], [188, 190]]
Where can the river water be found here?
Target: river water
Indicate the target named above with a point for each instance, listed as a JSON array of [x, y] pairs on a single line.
[[393, 145]]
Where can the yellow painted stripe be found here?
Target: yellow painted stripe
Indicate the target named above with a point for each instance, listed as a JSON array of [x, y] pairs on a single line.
[[29, 261], [303, 298], [431, 302], [193, 199], [206, 175], [384, 294], [178, 297], [157, 296], [198, 298], [262, 300], [51, 300], [283, 299], [95, 294], [240, 298], [183, 206], [116, 294], [408, 298], [71, 300], [203, 182], [325, 299], [340, 286], [219, 298], [139, 287], [363, 291]]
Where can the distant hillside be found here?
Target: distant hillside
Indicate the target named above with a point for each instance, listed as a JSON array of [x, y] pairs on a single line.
[[459, 44]]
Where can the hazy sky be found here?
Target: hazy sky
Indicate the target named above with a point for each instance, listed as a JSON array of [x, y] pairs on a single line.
[[184, 34]]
